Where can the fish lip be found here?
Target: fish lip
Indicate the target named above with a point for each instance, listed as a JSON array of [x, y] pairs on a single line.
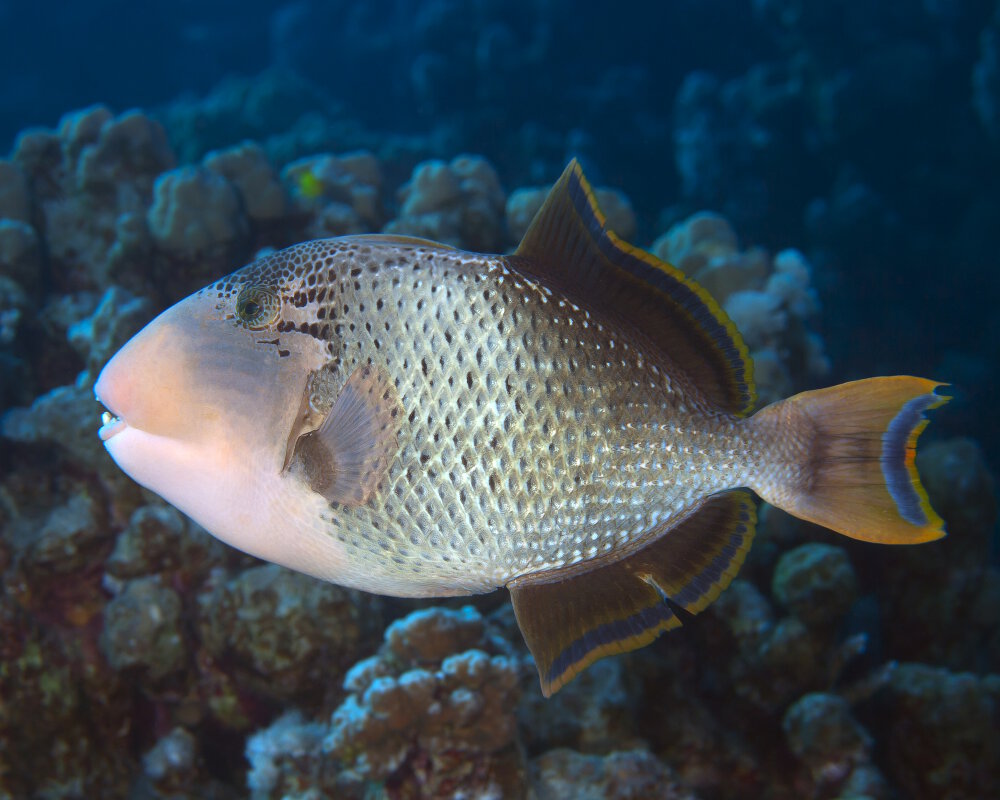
[[112, 427], [111, 423]]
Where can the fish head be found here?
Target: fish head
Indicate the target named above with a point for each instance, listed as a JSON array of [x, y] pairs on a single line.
[[202, 400]]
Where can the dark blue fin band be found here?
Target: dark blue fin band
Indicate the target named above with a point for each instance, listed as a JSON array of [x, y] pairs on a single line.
[[571, 618], [569, 247], [899, 447]]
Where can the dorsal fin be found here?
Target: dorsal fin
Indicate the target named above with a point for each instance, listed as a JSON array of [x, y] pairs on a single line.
[[569, 247], [396, 238], [570, 620]]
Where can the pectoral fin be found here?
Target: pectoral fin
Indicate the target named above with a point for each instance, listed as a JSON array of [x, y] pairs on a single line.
[[570, 622], [347, 456]]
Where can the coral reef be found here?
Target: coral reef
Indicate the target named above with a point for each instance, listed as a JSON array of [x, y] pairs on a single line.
[[287, 632], [432, 714], [341, 194], [286, 759], [94, 170], [816, 583], [159, 540], [247, 168], [939, 730], [592, 714], [834, 748], [140, 657], [459, 203], [239, 109], [629, 775], [771, 301], [196, 212], [954, 579], [863, 134], [142, 628]]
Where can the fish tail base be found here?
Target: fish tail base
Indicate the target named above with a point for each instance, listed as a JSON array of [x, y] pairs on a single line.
[[845, 458]]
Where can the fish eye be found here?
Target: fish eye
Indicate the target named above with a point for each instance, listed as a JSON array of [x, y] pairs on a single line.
[[257, 306]]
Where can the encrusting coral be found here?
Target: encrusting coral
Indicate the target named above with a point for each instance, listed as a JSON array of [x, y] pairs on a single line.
[[341, 194], [816, 583], [247, 168], [287, 633], [835, 749], [196, 212], [142, 628], [460, 203], [432, 714], [629, 775], [939, 731]]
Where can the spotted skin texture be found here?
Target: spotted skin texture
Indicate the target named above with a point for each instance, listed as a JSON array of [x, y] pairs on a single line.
[[534, 435]]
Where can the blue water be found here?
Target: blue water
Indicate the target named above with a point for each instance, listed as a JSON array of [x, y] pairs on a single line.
[[853, 131]]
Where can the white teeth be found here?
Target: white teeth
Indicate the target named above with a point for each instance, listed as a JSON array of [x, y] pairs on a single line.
[[107, 418]]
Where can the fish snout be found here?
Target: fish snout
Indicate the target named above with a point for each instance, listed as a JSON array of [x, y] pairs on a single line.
[[111, 391], [143, 385]]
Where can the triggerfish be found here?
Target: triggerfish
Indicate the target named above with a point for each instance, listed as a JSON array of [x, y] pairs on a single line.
[[572, 421]]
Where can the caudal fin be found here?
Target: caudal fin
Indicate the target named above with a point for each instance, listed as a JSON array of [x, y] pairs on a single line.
[[855, 444]]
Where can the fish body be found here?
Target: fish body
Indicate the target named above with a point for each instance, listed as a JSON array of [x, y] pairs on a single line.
[[570, 421]]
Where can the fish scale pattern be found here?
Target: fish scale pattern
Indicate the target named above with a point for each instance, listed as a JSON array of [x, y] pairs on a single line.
[[534, 437]]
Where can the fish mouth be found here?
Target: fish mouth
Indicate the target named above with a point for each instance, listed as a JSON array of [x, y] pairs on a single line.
[[110, 426], [111, 423]]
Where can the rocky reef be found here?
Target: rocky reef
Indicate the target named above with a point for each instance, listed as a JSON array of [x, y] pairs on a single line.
[[431, 714], [141, 658]]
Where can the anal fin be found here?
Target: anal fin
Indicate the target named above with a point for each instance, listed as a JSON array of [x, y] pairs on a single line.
[[569, 621], [346, 457]]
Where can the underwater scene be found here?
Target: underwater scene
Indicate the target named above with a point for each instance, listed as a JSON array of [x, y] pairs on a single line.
[[393, 516]]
